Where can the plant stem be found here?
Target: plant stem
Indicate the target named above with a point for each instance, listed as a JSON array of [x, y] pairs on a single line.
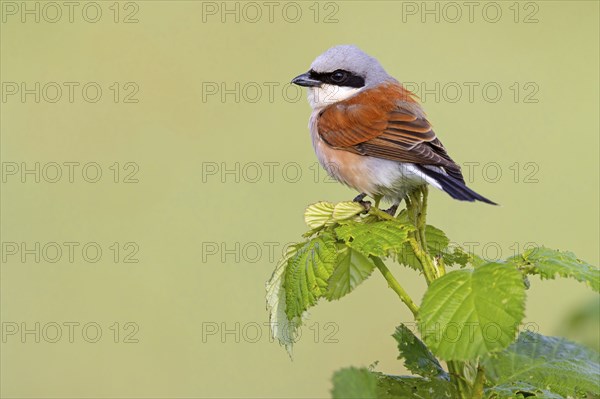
[[456, 370], [422, 217], [416, 205], [423, 259], [477, 390], [380, 214], [395, 285], [441, 266]]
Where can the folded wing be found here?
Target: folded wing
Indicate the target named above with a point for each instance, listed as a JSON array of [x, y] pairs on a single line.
[[385, 122]]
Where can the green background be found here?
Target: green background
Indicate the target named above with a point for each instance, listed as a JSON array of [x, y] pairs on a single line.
[[178, 290]]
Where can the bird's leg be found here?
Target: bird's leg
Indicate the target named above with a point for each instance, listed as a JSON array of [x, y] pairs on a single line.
[[377, 200], [366, 204]]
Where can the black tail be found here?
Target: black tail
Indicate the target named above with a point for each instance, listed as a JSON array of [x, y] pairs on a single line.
[[455, 188]]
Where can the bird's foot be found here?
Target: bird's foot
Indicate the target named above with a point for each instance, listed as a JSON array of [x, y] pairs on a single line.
[[360, 197], [392, 210], [366, 204]]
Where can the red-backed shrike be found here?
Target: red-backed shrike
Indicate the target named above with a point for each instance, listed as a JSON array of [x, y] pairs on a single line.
[[371, 134]]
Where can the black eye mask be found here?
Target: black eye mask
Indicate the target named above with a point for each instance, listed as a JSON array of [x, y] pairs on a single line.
[[338, 77]]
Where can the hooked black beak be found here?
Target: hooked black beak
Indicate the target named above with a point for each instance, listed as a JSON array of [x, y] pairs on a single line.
[[306, 81]]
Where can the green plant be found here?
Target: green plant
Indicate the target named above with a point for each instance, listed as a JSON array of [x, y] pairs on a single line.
[[481, 303]]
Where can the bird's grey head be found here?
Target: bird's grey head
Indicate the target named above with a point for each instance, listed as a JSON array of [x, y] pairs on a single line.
[[344, 65], [339, 73]]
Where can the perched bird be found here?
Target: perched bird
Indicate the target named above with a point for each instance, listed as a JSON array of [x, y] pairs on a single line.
[[371, 134]]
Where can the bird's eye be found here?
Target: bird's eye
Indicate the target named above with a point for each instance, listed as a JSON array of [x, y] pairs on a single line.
[[339, 76]]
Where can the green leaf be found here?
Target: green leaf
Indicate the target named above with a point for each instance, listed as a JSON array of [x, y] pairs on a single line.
[[468, 313], [281, 328], [458, 256], [356, 383], [346, 210], [307, 273], [361, 383], [417, 357], [403, 218], [319, 215], [546, 363], [520, 390], [437, 242], [394, 387], [352, 269], [549, 264], [438, 245], [408, 258], [381, 238]]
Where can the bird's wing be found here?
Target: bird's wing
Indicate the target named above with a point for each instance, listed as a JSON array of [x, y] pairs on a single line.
[[385, 122]]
